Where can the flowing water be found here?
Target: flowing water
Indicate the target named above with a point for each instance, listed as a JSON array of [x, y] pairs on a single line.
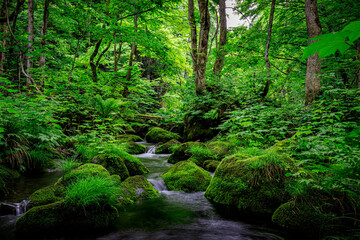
[[174, 215]]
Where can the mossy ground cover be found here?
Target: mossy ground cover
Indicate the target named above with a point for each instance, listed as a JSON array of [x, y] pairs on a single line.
[[133, 147], [186, 176]]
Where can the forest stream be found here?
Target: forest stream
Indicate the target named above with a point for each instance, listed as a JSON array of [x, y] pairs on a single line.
[[173, 215]]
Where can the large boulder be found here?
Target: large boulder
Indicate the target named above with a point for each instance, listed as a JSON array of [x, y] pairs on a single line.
[[114, 164], [210, 165], [157, 135], [300, 217], [139, 188], [166, 147], [85, 170], [219, 149], [186, 176], [46, 196], [134, 148], [128, 138], [253, 184], [182, 152], [133, 164]]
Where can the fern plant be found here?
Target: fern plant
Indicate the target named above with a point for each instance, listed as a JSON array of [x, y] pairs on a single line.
[[106, 107]]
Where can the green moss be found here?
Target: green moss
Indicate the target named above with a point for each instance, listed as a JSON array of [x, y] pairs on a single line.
[[210, 165], [46, 196], [114, 164], [251, 183], [166, 147], [134, 148], [182, 152], [219, 148], [133, 164], [186, 176], [139, 188], [128, 138], [45, 218], [156, 135], [299, 217], [83, 171]]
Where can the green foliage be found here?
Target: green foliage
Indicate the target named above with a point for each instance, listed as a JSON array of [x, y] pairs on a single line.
[[92, 194], [332, 42]]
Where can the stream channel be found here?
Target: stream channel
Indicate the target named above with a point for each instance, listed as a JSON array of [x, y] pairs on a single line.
[[173, 215]]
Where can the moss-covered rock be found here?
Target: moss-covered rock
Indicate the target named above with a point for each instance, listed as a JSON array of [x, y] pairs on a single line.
[[182, 153], [134, 148], [114, 164], [166, 147], [156, 135], [219, 148], [186, 176], [86, 170], [139, 188], [211, 165], [59, 218], [253, 184], [46, 196], [128, 138], [45, 218], [300, 217], [133, 164]]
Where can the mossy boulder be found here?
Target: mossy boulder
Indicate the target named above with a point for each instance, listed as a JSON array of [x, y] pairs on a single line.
[[253, 184], [128, 138], [85, 170], [45, 218], [139, 188], [166, 147], [219, 148], [133, 147], [59, 218], [46, 196], [114, 164], [182, 153], [186, 176], [211, 165], [122, 164], [133, 164], [300, 217], [157, 135]]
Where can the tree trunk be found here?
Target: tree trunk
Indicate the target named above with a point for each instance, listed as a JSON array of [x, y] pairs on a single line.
[[125, 92], [117, 55], [92, 64], [267, 47], [222, 41], [43, 34], [29, 64], [313, 70], [3, 30], [200, 81], [193, 37]]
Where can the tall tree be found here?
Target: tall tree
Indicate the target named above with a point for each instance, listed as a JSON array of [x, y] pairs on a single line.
[[313, 69], [222, 41], [44, 32], [267, 48], [199, 53], [30, 29], [193, 36]]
